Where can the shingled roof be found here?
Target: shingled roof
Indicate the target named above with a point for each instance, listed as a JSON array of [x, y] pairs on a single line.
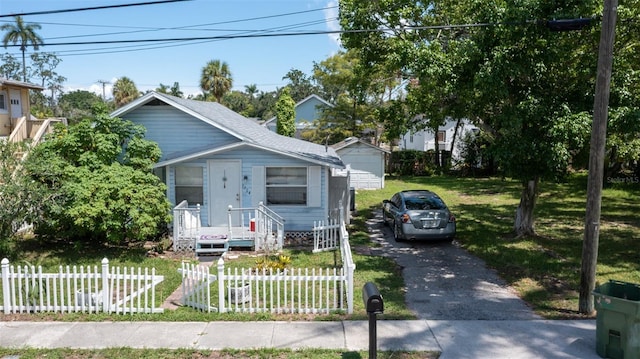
[[247, 131]]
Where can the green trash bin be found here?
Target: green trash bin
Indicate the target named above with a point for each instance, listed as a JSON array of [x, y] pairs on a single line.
[[618, 320]]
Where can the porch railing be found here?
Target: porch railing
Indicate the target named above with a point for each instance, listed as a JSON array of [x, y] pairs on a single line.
[[33, 129], [260, 223]]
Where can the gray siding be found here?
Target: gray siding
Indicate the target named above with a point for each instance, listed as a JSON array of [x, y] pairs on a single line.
[[297, 218], [176, 132]]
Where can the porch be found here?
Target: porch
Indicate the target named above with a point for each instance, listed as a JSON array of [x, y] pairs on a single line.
[[256, 228]]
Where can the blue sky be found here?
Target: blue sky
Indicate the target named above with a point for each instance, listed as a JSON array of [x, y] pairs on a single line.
[[257, 60]]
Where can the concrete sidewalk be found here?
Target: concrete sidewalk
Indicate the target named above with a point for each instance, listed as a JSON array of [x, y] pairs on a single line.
[[454, 339]]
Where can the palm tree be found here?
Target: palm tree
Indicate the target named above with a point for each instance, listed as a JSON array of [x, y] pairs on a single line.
[[216, 79], [251, 90], [23, 34], [124, 91]]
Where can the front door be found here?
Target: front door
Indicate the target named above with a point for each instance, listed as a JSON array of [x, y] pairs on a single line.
[[16, 107], [224, 191]]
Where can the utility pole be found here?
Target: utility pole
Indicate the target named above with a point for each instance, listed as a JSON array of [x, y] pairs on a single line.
[[103, 83], [596, 158]]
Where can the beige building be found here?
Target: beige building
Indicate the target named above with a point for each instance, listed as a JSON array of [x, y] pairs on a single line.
[[16, 122]]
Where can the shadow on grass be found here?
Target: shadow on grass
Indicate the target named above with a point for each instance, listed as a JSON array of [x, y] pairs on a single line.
[[545, 268]]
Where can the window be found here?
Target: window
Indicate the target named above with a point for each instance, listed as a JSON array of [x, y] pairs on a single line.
[[161, 173], [442, 136], [286, 185], [189, 185], [3, 101]]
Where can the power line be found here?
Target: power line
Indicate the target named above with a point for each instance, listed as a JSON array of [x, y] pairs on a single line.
[[185, 28], [46, 12], [280, 34], [133, 48]]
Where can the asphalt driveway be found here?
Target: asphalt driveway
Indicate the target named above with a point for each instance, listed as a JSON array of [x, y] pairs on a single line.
[[445, 282]]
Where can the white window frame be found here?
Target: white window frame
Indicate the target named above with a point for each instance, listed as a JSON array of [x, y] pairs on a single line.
[[281, 185], [197, 183]]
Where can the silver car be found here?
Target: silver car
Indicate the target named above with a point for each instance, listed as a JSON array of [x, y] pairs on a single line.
[[418, 214]]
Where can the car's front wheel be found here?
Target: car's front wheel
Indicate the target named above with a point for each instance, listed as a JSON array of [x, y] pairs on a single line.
[[397, 236]]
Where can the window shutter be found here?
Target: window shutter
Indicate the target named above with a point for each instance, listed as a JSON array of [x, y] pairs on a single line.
[[314, 189], [257, 186]]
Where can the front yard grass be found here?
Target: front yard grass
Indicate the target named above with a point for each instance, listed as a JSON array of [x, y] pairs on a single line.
[[543, 269]]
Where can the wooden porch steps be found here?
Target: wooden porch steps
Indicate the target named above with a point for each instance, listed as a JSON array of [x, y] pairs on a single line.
[[212, 246]]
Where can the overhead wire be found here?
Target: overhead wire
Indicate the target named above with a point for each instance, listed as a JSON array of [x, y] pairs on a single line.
[[47, 12], [138, 45]]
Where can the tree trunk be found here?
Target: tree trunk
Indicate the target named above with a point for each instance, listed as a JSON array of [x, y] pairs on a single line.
[[524, 222], [437, 149], [453, 140]]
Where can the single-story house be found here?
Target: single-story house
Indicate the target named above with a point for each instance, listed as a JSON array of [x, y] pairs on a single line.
[[366, 162], [424, 140], [215, 158], [308, 110]]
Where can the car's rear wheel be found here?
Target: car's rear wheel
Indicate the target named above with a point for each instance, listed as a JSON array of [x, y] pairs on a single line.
[[397, 236]]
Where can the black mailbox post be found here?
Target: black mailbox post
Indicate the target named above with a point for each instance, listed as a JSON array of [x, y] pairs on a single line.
[[373, 304]]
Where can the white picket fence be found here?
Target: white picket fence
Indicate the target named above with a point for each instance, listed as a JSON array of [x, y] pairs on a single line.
[[326, 235], [300, 290], [87, 289], [196, 286]]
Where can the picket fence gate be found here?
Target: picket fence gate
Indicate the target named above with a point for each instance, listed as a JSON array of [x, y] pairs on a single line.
[[87, 289], [326, 235], [196, 287], [298, 290]]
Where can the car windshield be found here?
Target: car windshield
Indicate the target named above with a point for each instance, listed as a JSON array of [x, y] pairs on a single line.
[[423, 202]]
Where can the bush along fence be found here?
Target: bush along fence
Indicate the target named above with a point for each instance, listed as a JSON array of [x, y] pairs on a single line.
[[103, 289], [299, 290]]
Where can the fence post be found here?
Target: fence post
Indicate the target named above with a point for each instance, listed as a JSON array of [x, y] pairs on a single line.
[[106, 296], [221, 290], [6, 294]]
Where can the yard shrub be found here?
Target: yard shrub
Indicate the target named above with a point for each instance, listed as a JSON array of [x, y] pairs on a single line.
[[412, 163], [95, 182], [16, 194]]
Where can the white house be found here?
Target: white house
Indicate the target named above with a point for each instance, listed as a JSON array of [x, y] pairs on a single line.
[[366, 162], [424, 140]]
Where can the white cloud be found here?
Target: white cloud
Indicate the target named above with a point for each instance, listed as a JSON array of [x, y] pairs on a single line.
[[333, 24]]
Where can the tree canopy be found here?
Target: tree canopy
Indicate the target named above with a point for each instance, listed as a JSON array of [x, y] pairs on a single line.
[[286, 114], [95, 182], [124, 91], [531, 88], [216, 79], [22, 34]]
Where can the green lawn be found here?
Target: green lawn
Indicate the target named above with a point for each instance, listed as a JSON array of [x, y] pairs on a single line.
[[545, 270]]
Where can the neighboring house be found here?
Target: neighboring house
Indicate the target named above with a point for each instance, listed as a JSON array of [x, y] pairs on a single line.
[[424, 140], [366, 162], [16, 122], [217, 158], [307, 111]]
